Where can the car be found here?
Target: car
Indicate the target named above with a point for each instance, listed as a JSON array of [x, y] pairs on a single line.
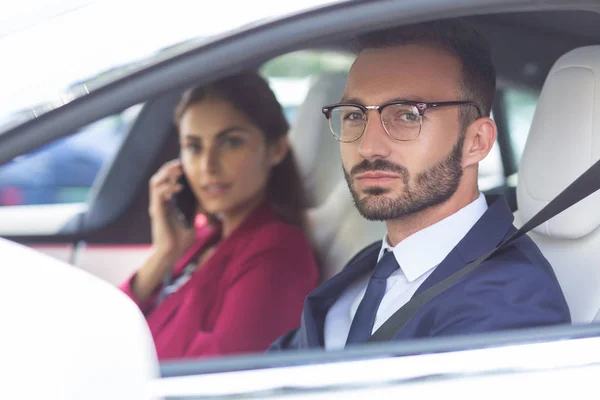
[[106, 232]]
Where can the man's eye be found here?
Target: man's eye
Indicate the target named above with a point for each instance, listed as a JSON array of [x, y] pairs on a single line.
[[353, 116], [410, 117], [406, 117]]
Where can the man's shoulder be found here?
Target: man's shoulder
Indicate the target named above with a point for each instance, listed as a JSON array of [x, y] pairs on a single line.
[[522, 256], [514, 288], [518, 269]]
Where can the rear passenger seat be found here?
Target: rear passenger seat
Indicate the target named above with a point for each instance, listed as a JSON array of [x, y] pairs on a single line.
[[336, 229]]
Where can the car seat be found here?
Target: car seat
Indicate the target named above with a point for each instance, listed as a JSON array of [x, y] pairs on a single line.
[[564, 141]]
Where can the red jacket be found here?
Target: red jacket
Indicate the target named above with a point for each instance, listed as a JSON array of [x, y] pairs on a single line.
[[247, 294]]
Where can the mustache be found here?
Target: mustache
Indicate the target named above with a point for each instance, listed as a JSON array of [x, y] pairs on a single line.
[[377, 165]]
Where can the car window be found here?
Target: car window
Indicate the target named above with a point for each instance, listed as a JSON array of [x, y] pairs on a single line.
[[291, 75], [65, 170]]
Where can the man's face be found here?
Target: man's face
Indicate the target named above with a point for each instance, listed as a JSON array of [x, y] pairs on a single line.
[[390, 179]]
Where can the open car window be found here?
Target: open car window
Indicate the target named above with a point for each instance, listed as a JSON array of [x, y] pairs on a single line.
[[293, 76], [64, 171]]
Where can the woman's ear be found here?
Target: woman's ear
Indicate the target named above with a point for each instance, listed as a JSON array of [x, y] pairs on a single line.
[[278, 150]]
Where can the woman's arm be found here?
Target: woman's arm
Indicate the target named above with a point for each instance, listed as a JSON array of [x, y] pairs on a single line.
[[149, 277], [170, 240], [152, 273]]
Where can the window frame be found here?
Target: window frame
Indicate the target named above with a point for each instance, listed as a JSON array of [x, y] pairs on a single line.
[[498, 351]]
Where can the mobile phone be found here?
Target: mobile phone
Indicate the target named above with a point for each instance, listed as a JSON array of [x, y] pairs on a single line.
[[185, 203]]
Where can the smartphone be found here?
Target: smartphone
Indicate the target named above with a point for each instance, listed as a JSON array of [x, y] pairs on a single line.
[[185, 203]]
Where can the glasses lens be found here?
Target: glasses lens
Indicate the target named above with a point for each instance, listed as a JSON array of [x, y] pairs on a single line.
[[402, 121], [347, 123]]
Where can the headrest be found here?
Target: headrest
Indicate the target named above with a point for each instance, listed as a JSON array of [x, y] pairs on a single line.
[[563, 142], [316, 150]]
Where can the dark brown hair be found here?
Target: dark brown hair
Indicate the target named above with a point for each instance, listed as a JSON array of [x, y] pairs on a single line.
[[251, 94], [478, 81]]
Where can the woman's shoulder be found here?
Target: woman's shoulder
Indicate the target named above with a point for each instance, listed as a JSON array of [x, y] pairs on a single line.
[[272, 244], [275, 245], [276, 233], [266, 229]]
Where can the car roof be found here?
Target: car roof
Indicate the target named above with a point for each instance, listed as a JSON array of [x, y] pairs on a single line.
[[80, 55], [525, 45]]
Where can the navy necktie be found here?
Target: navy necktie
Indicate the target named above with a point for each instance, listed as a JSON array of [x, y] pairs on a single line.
[[362, 324]]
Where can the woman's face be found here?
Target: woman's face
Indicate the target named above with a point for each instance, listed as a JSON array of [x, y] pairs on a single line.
[[225, 158]]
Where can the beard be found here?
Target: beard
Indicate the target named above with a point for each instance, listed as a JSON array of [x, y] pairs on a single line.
[[431, 187]]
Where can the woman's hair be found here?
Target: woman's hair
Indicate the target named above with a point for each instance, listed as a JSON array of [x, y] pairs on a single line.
[[251, 94]]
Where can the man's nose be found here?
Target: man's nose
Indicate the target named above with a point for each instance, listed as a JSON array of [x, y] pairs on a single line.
[[374, 142]]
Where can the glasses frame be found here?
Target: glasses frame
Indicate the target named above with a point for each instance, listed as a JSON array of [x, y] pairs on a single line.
[[419, 105]]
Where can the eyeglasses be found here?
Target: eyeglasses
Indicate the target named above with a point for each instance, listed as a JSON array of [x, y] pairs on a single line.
[[402, 120]]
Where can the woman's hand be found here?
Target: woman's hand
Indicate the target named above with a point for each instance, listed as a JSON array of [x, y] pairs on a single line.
[[170, 239]]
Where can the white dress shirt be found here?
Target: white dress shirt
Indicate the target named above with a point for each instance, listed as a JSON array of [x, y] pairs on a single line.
[[418, 255]]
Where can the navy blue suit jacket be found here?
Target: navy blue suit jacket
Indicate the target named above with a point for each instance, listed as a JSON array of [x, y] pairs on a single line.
[[515, 288]]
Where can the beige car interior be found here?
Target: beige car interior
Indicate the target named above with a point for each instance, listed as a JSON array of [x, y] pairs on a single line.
[[564, 141]]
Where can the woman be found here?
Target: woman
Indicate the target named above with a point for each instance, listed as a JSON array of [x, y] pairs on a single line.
[[238, 280]]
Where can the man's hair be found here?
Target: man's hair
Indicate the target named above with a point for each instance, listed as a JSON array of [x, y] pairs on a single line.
[[478, 80]]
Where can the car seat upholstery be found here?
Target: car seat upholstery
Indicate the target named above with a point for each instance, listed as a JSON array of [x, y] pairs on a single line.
[[336, 229], [563, 142]]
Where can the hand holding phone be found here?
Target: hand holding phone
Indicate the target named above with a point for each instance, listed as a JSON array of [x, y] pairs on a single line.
[[171, 199], [184, 203], [171, 203]]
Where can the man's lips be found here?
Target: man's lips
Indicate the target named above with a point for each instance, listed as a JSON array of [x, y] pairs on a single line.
[[375, 176]]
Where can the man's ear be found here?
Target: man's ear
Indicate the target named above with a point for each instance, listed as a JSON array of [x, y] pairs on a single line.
[[278, 150], [479, 140]]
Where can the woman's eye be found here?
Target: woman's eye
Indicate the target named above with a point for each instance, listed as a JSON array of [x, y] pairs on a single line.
[[193, 148], [232, 142]]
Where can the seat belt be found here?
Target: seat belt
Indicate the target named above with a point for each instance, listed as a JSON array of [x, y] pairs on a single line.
[[582, 187]]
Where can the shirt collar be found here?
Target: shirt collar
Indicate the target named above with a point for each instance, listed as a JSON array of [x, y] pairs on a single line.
[[425, 249]]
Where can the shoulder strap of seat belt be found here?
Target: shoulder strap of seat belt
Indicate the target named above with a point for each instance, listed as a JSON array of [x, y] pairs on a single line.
[[582, 187]]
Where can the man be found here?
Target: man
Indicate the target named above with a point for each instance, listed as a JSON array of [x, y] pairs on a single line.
[[413, 126]]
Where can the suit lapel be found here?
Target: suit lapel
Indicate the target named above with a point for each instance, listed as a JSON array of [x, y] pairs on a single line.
[[486, 234], [322, 298]]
